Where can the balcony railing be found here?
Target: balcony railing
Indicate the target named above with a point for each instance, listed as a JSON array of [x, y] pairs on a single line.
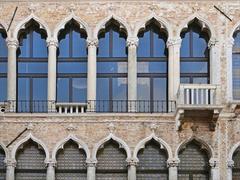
[[99, 106]]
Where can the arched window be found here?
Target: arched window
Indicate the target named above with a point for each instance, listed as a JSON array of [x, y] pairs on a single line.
[[2, 164], [152, 69], [236, 66], [194, 66], [3, 66], [72, 64], [30, 162], [112, 69], [152, 162], [111, 162], [71, 162], [236, 167], [32, 69], [194, 162]]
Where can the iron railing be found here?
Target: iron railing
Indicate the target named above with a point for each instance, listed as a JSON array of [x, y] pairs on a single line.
[[98, 106]]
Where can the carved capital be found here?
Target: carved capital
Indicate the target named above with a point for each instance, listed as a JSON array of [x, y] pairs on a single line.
[[133, 41], [92, 42], [51, 163], [213, 163], [12, 43], [132, 162], [173, 163], [212, 42], [91, 162], [52, 42], [174, 41], [10, 162], [230, 164]]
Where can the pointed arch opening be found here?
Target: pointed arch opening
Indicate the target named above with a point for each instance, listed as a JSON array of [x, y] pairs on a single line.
[[2, 163]]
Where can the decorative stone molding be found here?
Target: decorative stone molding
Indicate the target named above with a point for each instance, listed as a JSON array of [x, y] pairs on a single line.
[[92, 42], [51, 162], [153, 127], [30, 127], [91, 162], [133, 41], [132, 162], [213, 162], [174, 41], [230, 164], [173, 162], [12, 43], [72, 8], [212, 42], [111, 128], [10, 162], [32, 8], [52, 42], [71, 127]]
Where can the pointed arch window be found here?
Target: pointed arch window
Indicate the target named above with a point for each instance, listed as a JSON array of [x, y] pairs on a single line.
[[2, 164], [32, 69], [72, 64], [3, 66], [236, 65], [194, 63]]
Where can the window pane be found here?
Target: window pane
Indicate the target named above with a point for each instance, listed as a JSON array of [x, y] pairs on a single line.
[[62, 90], [111, 67], [39, 89], [103, 47], [25, 47], [184, 80], [119, 88], [39, 46], [23, 89], [185, 46], [3, 67], [200, 80], [64, 47], [72, 67], [144, 45], [3, 46], [119, 45], [200, 48], [3, 89], [237, 41], [78, 45], [152, 67], [32, 67], [159, 45], [236, 76], [102, 89], [143, 88], [159, 88], [194, 67], [79, 88]]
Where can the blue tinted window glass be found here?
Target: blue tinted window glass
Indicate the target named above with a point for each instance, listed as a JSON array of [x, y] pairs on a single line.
[[119, 45], [23, 89], [184, 80], [3, 46], [62, 90], [158, 45], [103, 46], [72, 67], [144, 45], [3, 67], [237, 40], [236, 76], [39, 89], [185, 46], [200, 80], [32, 67], [25, 47], [102, 89], [78, 45], [39, 46], [111, 67], [64, 47], [159, 88], [79, 88], [143, 88], [119, 88], [199, 46], [194, 67], [152, 67], [3, 89]]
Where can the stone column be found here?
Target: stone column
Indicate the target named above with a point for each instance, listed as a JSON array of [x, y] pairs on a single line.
[[51, 164], [173, 68], [172, 168], [214, 169], [92, 73], [132, 166], [52, 73], [215, 64], [11, 164], [91, 169], [12, 72], [230, 165], [132, 44]]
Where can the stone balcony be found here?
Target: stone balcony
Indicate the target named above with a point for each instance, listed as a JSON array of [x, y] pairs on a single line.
[[198, 102]]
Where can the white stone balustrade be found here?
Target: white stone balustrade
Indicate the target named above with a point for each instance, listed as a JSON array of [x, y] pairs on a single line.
[[71, 108]]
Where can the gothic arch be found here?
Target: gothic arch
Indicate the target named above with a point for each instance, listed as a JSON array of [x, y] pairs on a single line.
[[163, 25], [5, 150], [232, 150], [33, 138], [101, 143], [22, 25], [81, 145], [143, 142], [72, 16], [4, 27], [102, 23], [236, 27], [204, 23]]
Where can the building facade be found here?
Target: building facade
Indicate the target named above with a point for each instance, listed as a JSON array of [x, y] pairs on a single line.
[[117, 90]]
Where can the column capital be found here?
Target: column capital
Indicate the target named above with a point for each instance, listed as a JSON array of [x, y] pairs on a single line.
[[212, 42], [10, 162], [52, 42], [230, 164], [92, 42], [91, 162], [213, 163], [11, 42], [51, 162], [174, 41], [132, 41], [132, 162], [173, 162]]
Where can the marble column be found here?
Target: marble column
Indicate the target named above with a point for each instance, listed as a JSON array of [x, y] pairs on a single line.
[[10, 172], [132, 169], [172, 168], [12, 72], [132, 44], [52, 73], [91, 169], [214, 169], [92, 73], [51, 164], [230, 165]]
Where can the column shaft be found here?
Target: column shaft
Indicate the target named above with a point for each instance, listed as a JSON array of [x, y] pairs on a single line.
[[50, 172], [132, 175], [10, 172], [91, 172], [215, 64]]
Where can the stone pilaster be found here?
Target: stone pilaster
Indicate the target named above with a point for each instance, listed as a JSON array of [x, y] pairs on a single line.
[[172, 168], [11, 165], [91, 169], [132, 166]]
